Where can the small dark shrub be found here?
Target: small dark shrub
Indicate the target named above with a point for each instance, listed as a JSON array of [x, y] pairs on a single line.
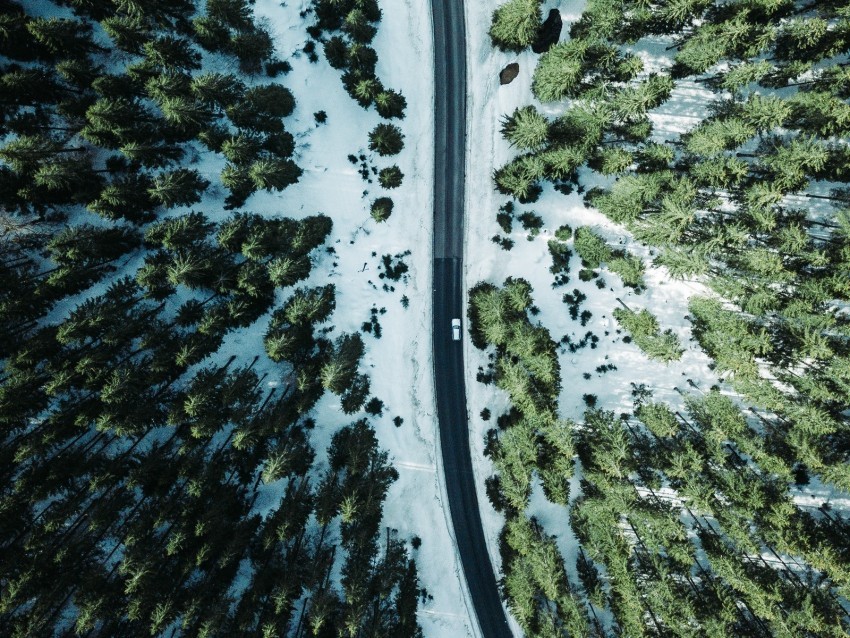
[[564, 233], [586, 274], [394, 266], [382, 208], [390, 177], [505, 220], [375, 406], [531, 222]]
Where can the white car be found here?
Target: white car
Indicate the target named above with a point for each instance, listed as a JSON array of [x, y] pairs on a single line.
[[456, 329]]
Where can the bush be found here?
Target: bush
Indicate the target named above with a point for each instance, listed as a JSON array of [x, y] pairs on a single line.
[[560, 257], [506, 243], [390, 177], [386, 139], [586, 274], [382, 208], [564, 233], [375, 406], [394, 266], [531, 222], [505, 221]]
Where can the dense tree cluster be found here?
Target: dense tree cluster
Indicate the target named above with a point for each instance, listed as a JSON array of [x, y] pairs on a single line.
[[83, 130], [753, 199], [681, 536], [530, 440], [685, 519], [681, 532], [135, 447], [353, 24], [610, 102]]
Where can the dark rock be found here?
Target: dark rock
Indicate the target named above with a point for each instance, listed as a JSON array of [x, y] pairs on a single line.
[[550, 32], [508, 74]]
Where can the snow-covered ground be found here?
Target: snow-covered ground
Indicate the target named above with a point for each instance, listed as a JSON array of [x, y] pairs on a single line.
[[399, 363]]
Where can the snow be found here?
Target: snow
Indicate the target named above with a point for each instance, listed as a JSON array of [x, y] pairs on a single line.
[[399, 363]]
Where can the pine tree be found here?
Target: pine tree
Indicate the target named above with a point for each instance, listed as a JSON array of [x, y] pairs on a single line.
[[526, 129], [381, 209], [181, 187], [386, 139], [184, 113], [357, 24], [287, 271], [515, 24], [252, 47], [559, 71], [591, 247], [171, 53], [62, 37], [390, 177], [520, 178], [274, 174], [644, 330], [390, 104]]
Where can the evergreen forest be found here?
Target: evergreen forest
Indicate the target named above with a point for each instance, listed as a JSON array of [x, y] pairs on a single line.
[[154, 479], [683, 517]]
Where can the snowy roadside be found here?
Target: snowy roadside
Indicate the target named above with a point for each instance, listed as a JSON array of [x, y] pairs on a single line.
[[399, 362], [483, 260]]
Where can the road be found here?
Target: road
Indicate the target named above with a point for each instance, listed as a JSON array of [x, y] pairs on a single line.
[[449, 161]]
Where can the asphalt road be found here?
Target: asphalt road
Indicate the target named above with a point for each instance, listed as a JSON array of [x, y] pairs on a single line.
[[450, 158]]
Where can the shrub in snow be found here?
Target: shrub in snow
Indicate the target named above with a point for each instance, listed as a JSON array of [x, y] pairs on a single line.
[[382, 208], [390, 177], [386, 139]]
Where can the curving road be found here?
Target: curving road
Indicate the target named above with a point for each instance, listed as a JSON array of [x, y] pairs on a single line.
[[449, 160]]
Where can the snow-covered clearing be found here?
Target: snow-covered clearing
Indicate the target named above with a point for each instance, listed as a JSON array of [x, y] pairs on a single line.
[[399, 363]]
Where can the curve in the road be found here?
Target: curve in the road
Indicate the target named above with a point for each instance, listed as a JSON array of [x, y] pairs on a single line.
[[450, 158]]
